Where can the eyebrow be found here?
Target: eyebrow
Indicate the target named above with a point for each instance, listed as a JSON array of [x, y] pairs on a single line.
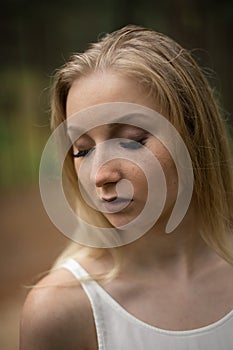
[[111, 126], [117, 124]]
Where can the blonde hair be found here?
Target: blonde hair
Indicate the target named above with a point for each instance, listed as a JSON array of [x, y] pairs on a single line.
[[169, 73]]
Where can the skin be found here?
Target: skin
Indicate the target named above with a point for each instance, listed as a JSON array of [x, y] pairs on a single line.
[[112, 172], [190, 278]]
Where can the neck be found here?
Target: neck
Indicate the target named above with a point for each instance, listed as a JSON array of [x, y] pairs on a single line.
[[181, 252]]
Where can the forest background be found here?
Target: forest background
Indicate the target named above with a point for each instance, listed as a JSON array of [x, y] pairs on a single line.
[[36, 38]]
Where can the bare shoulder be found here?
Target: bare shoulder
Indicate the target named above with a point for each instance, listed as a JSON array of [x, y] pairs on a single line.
[[57, 315]]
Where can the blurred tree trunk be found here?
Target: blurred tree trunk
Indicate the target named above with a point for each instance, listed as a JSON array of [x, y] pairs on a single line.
[[208, 26]]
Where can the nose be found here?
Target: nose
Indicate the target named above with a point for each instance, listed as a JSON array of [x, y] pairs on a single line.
[[104, 170], [109, 173]]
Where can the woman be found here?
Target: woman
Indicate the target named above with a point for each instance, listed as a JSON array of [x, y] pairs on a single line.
[[160, 291]]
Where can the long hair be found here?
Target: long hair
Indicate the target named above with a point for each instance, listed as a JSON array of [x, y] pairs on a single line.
[[170, 74]]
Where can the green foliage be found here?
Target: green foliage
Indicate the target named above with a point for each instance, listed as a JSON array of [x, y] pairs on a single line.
[[23, 127], [38, 36]]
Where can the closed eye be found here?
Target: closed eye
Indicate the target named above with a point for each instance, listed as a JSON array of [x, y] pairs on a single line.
[[133, 144], [82, 153]]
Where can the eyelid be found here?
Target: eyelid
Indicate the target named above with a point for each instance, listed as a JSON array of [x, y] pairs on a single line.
[[82, 153], [135, 142]]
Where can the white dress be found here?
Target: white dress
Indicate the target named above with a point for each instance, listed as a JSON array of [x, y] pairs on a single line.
[[117, 329]]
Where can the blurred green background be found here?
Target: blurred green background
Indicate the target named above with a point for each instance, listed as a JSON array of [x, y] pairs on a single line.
[[37, 37]]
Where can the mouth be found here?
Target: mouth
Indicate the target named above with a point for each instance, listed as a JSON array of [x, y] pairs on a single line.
[[115, 204], [115, 200]]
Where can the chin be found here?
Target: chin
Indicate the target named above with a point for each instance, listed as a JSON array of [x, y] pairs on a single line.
[[118, 221]]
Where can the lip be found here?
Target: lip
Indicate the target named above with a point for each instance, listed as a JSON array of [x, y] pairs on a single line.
[[115, 204], [109, 199]]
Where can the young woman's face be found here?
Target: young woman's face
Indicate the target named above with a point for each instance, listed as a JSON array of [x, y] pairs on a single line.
[[99, 88]]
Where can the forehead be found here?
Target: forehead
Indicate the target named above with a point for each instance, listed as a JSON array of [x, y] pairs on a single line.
[[105, 87]]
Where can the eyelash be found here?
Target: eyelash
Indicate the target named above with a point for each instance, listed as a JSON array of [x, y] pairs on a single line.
[[133, 145]]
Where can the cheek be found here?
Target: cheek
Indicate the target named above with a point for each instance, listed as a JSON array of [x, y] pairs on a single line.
[[81, 175], [166, 162], [76, 165], [82, 167], [138, 179], [171, 180]]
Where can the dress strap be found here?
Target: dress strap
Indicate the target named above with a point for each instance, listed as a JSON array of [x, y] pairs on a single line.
[[75, 268], [91, 288]]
